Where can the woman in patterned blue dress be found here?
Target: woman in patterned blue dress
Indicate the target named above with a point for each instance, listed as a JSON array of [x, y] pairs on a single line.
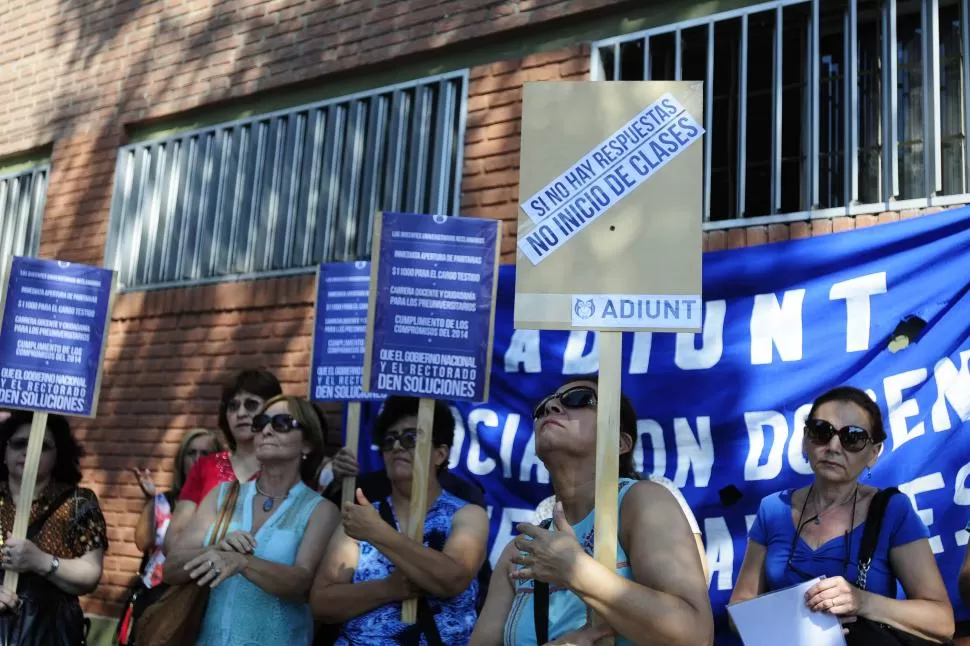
[[260, 573], [657, 593], [371, 567]]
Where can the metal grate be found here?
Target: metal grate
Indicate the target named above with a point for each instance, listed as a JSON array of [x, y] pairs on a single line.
[[818, 109], [281, 192], [22, 196]]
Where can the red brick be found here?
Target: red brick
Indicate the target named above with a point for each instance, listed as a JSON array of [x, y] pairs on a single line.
[[755, 236], [843, 224], [716, 240], [888, 216], [863, 221], [736, 238], [800, 230], [778, 232], [821, 227]]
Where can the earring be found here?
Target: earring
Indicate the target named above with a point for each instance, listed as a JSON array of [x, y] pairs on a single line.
[[868, 473], [304, 456]]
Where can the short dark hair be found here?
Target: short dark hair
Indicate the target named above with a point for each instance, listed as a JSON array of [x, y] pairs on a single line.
[[849, 394], [261, 383], [396, 407], [628, 424], [313, 432], [67, 466]]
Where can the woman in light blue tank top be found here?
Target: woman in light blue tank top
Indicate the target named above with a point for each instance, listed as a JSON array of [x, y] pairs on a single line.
[[261, 571], [371, 567], [666, 602]]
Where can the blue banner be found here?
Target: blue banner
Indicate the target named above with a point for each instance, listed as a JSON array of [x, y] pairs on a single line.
[[435, 282], [340, 332], [782, 323], [52, 336]]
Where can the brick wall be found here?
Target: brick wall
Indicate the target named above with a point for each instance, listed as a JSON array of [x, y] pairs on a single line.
[[74, 74]]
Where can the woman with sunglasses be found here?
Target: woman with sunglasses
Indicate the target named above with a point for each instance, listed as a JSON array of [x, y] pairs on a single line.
[[261, 571], [372, 566], [63, 554], [241, 398], [657, 593], [817, 530]]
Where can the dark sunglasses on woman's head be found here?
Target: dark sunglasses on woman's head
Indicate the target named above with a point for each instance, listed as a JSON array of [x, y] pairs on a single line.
[[20, 444], [575, 397], [408, 438], [820, 433], [251, 405], [281, 423]]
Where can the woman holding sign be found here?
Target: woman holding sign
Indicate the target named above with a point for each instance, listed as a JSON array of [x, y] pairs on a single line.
[[822, 530], [658, 593], [372, 566], [62, 556]]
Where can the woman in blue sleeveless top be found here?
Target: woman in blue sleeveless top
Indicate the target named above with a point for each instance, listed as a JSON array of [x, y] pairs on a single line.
[[658, 590], [371, 565], [262, 570], [817, 530]]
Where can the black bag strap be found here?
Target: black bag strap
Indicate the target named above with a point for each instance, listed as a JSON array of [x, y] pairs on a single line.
[[870, 534], [426, 622], [55, 504], [540, 602]]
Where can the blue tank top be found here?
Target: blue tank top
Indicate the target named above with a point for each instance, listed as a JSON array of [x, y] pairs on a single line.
[[240, 613], [566, 610], [454, 617]]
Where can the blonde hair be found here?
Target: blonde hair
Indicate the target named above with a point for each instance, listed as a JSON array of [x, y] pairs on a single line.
[[188, 438], [309, 418]]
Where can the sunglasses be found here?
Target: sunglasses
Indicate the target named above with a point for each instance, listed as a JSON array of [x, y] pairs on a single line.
[[407, 437], [20, 444], [281, 423], [820, 432], [572, 398], [251, 405]]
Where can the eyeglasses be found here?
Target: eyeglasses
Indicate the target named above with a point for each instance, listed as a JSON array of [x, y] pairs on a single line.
[[572, 398], [820, 432], [250, 404], [20, 444], [408, 438], [281, 423]]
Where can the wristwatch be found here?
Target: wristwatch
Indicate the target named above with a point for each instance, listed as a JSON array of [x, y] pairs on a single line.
[[55, 563]]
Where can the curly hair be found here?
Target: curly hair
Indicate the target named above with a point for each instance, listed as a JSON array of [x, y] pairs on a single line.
[[67, 465], [397, 407]]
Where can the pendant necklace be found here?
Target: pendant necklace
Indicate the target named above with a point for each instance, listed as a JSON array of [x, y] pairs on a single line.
[[270, 500]]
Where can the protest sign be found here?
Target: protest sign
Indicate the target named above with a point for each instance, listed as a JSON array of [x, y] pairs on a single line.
[[609, 232], [430, 323], [53, 323], [339, 335]]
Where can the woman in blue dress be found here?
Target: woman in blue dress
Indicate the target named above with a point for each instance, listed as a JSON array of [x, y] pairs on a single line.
[[817, 530], [261, 572], [657, 593], [371, 566]]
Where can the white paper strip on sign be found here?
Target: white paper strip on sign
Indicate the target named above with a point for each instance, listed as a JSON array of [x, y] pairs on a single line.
[[636, 310], [763, 620], [606, 175]]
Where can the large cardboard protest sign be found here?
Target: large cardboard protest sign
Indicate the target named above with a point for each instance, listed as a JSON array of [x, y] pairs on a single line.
[[339, 338], [53, 323], [430, 324], [609, 233]]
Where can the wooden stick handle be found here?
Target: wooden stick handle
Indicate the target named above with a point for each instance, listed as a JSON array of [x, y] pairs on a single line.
[[419, 490], [606, 517], [38, 428], [351, 439]]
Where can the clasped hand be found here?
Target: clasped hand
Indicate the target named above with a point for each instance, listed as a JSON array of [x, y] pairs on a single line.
[[546, 555], [21, 555], [836, 596]]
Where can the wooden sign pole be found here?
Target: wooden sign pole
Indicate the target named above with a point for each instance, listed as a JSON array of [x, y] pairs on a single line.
[[38, 428], [349, 484], [606, 519], [419, 490]]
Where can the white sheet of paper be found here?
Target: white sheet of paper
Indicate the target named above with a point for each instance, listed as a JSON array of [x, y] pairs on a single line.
[[762, 621]]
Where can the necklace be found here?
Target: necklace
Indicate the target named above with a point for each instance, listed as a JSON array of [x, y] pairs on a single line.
[[270, 500], [819, 511]]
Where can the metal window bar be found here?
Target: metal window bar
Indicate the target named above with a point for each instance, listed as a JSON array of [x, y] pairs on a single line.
[[22, 197], [883, 110], [277, 193], [742, 115]]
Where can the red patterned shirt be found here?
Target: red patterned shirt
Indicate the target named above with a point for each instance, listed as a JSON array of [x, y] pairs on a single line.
[[209, 472]]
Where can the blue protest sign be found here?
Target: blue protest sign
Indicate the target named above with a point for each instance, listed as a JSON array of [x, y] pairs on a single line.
[[339, 332], [430, 319], [52, 335]]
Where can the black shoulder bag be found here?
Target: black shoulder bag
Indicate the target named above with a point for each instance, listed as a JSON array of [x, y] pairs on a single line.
[[47, 615], [426, 624], [866, 632]]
